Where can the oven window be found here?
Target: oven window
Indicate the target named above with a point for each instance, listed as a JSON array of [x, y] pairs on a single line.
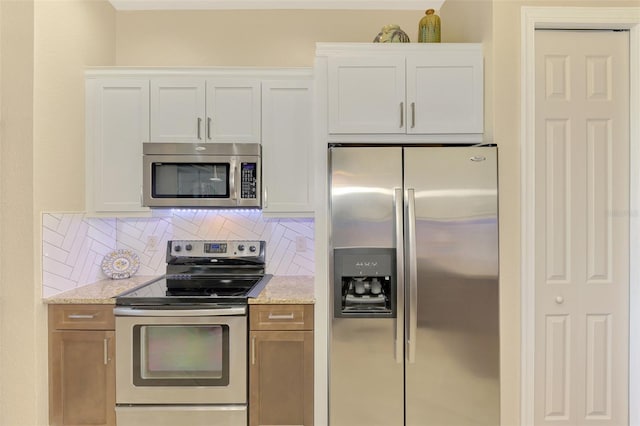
[[181, 355], [190, 180]]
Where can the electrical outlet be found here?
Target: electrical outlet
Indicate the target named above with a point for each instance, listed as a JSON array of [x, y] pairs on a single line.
[[152, 242], [301, 244]]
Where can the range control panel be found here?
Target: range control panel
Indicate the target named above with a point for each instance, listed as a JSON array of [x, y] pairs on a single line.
[[215, 248]]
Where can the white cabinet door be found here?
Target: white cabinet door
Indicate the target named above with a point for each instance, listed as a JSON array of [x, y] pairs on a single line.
[[287, 142], [233, 111], [117, 125], [445, 92], [439, 91], [177, 110], [205, 110], [366, 94]]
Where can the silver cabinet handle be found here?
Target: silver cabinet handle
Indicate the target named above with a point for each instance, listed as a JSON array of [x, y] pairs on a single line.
[[253, 350], [398, 202], [413, 276], [413, 115], [265, 199], [401, 114], [81, 316], [199, 125], [281, 317], [105, 348], [208, 127]]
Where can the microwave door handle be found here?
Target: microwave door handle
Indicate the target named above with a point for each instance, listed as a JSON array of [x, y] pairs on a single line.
[[232, 181]]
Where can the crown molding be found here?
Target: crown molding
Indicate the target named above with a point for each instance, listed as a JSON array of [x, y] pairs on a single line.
[[122, 5]]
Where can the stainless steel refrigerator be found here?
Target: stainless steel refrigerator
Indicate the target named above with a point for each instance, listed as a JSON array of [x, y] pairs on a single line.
[[414, 294]]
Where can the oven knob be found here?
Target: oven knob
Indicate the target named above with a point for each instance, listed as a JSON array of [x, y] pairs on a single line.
[[252, 249], [188, 247], [241, 247], [177, 248]]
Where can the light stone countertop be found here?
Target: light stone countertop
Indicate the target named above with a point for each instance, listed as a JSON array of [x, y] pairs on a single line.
[[286, 289], [99, 292], [281, 289]]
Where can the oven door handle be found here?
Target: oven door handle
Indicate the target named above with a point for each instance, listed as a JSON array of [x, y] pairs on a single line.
[[146, 312]]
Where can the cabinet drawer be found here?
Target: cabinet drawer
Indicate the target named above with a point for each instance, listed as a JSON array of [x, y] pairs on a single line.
[[281, 317], [81, 317]]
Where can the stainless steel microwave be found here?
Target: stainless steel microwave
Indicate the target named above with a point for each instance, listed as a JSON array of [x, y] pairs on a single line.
[[201, 175]]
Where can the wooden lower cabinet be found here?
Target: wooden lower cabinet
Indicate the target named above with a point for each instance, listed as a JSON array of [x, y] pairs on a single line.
[[81, 366], [281, 365]]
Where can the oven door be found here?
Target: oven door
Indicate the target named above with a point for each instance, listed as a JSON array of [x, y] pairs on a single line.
[[201, 181], [181, 356]]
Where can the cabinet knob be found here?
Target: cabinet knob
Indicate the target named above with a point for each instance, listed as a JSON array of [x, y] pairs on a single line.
[[559, 300]]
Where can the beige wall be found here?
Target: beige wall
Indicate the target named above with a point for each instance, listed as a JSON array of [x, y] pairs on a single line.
[[70, 35], [245, 38], [17, 319], [45, 45]]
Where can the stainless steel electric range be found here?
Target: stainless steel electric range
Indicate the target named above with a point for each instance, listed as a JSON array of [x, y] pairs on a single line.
[[181, 340]]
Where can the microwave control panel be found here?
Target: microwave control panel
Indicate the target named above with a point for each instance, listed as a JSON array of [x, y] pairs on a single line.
[[249, 180]]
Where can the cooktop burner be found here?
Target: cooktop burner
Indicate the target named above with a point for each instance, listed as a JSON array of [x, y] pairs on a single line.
[[205, 272]]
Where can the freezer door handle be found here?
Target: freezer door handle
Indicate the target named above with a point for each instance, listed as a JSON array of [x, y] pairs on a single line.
[[398, 204], [413, 277]]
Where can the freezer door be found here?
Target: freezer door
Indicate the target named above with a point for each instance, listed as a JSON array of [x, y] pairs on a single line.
[[366, 365], [452, 356], [362, 184]]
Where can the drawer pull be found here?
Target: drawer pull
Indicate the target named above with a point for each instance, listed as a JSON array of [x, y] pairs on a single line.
[[281, 317], [81, 316]]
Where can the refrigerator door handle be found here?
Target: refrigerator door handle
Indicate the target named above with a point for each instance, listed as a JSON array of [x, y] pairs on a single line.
[[398, 204], [413, 277]]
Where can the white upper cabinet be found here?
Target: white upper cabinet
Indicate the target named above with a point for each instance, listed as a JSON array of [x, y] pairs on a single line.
[[117, 123], [192, 109], [404, 88], [177, 109], [233, 111], [287, 147], [445, 93], [366, 94]]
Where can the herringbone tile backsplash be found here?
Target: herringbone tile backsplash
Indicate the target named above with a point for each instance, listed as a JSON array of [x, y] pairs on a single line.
[[73, 245]]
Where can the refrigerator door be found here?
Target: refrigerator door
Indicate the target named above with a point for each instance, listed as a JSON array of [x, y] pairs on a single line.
[[452, 356], [366, 354]]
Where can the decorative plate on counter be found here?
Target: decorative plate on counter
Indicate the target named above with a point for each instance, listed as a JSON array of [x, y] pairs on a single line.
[[120, 264]]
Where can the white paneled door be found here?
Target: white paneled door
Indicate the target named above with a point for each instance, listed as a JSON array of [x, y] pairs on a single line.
[[582, 218]]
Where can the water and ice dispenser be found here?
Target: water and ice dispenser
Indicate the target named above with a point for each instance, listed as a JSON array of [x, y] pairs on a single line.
[[365, 282]]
